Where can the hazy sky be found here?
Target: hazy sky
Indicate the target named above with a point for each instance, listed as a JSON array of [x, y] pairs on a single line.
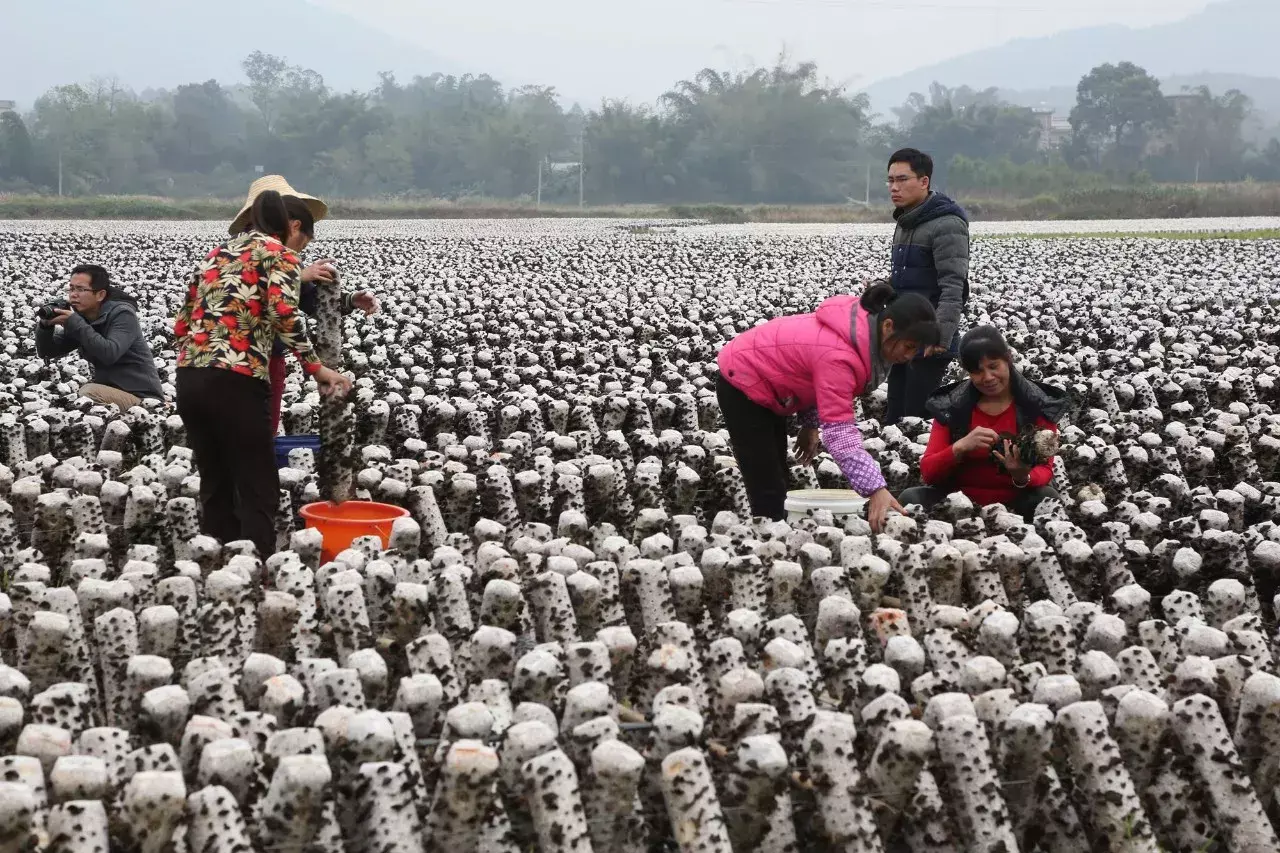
[[590, 48]]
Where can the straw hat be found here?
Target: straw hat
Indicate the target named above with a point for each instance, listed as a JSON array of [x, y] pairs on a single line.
[[319, 210]]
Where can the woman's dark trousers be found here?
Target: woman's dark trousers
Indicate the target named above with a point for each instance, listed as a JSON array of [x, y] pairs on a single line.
[[910, 386], [228, 421], [759, 440]]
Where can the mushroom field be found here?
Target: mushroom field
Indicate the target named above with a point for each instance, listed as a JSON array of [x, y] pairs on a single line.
[[578, 638]]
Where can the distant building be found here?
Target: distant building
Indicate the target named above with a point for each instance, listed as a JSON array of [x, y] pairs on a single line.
[[5, 106], [1181, 100], [1054, 129]]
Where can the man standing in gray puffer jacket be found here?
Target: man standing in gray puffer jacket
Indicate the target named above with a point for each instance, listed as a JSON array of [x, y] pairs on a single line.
[[930, 257]]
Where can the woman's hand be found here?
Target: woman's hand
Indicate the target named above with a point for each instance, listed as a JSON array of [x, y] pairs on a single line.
[[878, 507], [1011, 459], [332, 383], [320, 271], [808, 443], [981, 438], [365, 301]]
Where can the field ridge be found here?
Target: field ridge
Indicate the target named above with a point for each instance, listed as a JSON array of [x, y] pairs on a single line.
[[1147, 202]]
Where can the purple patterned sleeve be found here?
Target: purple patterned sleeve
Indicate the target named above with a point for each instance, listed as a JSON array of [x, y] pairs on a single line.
[[808, 418], [844, 442]]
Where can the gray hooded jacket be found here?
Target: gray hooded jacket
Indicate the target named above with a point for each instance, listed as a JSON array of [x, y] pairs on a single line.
[[113, 345]]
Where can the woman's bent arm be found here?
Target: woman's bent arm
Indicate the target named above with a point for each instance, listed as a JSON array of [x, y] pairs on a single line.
[[844, 441]]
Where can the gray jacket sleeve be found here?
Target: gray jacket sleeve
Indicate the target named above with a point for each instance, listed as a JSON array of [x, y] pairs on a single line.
[[50, 345], [104, 350], [951, 260]]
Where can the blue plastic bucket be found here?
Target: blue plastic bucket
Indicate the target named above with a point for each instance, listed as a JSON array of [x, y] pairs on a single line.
[[286, 443]]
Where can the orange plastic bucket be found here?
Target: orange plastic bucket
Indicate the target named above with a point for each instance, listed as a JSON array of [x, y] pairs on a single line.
[[341, 524]]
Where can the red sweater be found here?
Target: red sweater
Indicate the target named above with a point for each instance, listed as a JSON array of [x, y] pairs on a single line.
[[978, 475]]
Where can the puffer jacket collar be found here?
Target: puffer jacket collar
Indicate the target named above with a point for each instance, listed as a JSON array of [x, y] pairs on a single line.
[[953, 404], [935, 206]]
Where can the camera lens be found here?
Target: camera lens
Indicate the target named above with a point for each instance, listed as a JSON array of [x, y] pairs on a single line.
[[47, 311]]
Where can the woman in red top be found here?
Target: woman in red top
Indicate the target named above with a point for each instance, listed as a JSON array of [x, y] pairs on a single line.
[[970, 449]]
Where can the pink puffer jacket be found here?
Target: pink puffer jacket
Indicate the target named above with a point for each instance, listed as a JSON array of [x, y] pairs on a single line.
[[791, 364]]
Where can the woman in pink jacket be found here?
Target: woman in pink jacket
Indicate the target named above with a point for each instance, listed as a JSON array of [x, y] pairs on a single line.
[[814, 365]]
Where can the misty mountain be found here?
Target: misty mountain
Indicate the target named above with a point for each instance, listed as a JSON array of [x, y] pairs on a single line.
[[1230, 37], [164, 43]]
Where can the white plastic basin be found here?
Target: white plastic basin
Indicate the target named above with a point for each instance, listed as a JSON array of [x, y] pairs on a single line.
[[839, 502]]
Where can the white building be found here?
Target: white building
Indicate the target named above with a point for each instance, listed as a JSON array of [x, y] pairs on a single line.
[[1054, 129]]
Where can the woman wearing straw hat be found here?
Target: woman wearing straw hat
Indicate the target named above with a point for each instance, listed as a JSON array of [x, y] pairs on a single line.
[[242, 297], [304, 212]]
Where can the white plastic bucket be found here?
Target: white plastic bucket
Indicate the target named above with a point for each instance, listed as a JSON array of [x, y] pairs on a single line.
[[839, 502]]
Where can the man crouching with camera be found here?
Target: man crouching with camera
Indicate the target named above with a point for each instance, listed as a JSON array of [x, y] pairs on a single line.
[[101, 322]]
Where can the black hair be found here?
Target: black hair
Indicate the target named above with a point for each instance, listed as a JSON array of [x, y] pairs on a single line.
[[913, 316], [982, 342], [920, 162], [100, 280], [269, 215], [297, 209]]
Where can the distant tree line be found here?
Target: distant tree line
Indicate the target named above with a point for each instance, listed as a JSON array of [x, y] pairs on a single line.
[[771, 135]]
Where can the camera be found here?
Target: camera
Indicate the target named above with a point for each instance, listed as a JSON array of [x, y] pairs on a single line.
[[45, 312]]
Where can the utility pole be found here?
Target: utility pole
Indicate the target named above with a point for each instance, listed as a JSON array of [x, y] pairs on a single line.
[[867, 198], [581, 152], [59, 168], [538, 203]]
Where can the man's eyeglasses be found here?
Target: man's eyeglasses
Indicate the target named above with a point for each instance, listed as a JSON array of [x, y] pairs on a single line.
[[83, 290], [899, 179]]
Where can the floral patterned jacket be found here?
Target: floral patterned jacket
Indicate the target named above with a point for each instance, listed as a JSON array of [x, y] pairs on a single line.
[[241, 298]]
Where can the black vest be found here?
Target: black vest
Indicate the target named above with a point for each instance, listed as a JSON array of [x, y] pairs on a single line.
[[953, 404]]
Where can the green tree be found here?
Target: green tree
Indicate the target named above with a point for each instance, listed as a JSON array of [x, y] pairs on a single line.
[[266, 76], [771, 135], [630, 155], [939, 96], [982, 129], [461, 136], [207, 129], [1206, 137], [537, 111], [64, 124], [1117, 109], [16, 155], [1266, 165], [99, 138]]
